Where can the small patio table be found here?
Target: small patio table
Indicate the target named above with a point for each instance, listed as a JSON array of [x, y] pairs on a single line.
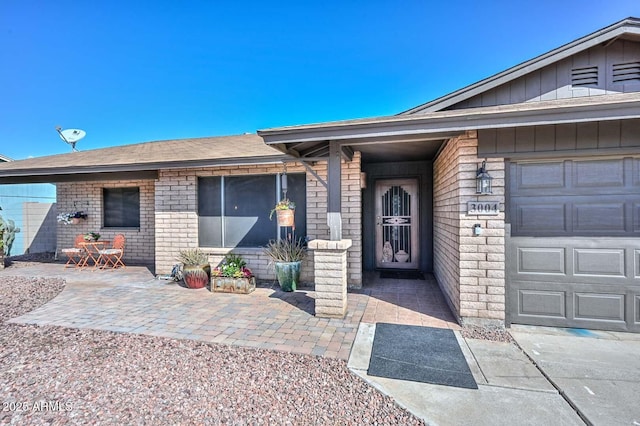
[[92, 252]]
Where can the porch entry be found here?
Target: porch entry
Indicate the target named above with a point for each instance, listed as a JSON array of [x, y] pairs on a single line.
[[397, 224]]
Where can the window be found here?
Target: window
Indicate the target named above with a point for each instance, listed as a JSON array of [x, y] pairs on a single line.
[[121, 207], [234, 211]]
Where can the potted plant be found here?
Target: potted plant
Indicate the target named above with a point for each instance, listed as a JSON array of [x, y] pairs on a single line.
[[233, 276], [287, 255], [196, 270], [91, 236], [72, 217], [285, 211]]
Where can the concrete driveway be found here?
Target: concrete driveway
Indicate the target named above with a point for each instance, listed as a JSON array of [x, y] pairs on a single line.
[[598, 372]]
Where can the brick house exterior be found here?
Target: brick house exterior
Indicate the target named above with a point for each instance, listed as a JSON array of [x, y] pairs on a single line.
[[169, 217], [559, 134]]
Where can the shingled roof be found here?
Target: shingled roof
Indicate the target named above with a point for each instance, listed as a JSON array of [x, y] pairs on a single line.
[[142, 157]]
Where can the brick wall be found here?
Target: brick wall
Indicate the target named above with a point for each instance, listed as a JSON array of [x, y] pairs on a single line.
[[469, 269], [352, 218], [177, 221], [87, 197]]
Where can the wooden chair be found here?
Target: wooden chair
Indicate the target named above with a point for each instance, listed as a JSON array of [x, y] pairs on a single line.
[[75, 254], [113, 255]]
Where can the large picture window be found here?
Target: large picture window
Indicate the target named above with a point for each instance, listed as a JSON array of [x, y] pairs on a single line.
[[121, 207], [233, 211]]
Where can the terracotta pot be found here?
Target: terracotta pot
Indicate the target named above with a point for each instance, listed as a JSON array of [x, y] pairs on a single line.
[[286, 217], [75, 220], [196, 276]]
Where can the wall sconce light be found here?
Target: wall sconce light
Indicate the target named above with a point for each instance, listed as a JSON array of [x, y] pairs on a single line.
[[363, 180], [483, 180]]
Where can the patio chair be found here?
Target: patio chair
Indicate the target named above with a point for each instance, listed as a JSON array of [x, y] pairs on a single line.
[[75, 254], [113, 255]]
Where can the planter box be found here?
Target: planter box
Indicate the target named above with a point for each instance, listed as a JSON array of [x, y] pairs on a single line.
[[233, 285]]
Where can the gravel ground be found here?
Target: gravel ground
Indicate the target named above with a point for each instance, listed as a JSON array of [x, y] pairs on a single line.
[[55, 375], [23, 260], [494, 334]]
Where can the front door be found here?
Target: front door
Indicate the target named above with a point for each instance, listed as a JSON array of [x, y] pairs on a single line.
[[397, 227]]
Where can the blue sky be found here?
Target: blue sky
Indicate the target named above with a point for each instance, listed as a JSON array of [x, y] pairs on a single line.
[[136, 71]]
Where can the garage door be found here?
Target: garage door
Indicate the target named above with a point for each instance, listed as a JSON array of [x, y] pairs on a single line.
[[573, 250]]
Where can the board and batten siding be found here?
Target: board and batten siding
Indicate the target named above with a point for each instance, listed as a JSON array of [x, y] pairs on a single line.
[[615, 136], [555, 81]]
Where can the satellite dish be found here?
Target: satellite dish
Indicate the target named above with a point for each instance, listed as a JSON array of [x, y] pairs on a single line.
[[71, 136]]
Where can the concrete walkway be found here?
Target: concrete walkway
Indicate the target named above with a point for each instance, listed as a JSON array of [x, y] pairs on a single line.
[[549, 376]]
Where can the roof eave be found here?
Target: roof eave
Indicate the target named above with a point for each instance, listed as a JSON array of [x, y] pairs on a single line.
[[27, 175], [460, 121]]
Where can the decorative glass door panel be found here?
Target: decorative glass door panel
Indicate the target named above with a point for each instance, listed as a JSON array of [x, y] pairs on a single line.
[[397, 224]]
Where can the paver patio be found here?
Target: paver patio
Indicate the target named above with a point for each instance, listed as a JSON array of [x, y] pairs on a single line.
[[133, 301]]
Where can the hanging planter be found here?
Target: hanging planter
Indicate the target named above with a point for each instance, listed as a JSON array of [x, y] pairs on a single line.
[[285, 212], [72, 218], [286, 217]]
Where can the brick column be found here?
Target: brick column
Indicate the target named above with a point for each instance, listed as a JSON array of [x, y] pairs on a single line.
[[470, 269], [330, 265]]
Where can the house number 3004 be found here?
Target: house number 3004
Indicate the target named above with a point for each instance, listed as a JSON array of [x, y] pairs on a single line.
[[483, 208]]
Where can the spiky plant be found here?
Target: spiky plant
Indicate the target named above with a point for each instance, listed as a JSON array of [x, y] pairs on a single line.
[[192, 257], [286, 250]]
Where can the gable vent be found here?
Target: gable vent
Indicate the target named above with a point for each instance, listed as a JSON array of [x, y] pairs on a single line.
[[585, 76], [627, 72]]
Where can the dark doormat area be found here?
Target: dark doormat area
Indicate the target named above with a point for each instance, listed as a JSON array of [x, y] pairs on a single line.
[[419, 354], [402, 275]]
